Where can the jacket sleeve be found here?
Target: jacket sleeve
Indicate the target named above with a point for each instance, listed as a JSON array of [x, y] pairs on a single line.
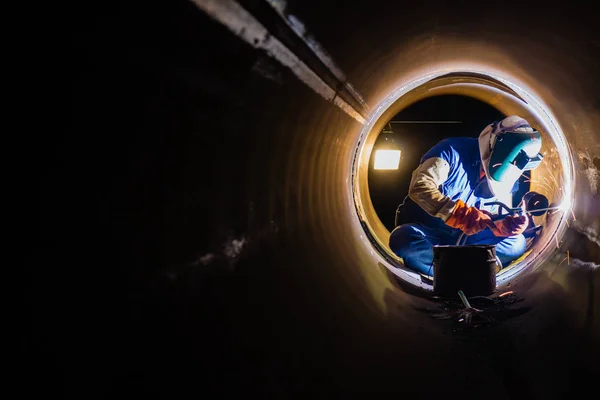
[[424, 187]]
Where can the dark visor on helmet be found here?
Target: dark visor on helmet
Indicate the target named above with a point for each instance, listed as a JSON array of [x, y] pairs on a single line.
[[509, 149]]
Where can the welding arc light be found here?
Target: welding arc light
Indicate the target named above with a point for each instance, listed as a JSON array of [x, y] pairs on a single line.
[[387, 159]]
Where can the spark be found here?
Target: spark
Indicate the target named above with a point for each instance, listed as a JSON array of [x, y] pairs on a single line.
[[495, 165], [572, 213], [565, 204], [547, 181], [568, 258], [506, 293], [547, 187], [563, 260]]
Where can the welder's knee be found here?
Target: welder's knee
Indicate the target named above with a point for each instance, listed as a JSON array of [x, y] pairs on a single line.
[[403, 237], [511, 248]]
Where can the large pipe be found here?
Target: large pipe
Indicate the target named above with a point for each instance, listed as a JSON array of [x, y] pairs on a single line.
[[217, 240]]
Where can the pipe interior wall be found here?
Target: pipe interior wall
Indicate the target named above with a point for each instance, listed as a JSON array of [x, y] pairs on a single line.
[[203, 199]]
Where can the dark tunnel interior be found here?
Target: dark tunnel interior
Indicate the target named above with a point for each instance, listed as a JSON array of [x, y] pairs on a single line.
[[198, 235]]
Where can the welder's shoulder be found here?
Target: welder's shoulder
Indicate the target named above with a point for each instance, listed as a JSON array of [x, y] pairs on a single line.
[[451, 149]]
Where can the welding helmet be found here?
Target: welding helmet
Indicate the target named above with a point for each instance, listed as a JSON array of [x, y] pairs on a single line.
[[508, 148]]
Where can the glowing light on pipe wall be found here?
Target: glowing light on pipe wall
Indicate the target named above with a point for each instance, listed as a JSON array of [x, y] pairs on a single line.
[[387, 159]]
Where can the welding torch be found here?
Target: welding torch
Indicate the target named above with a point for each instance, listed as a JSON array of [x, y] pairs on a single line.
[[533, 203]]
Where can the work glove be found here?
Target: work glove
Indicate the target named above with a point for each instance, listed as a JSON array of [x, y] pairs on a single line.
[[511, 225], [470, 220]]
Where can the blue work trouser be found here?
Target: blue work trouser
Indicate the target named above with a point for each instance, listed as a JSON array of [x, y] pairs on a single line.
[[414, 242]]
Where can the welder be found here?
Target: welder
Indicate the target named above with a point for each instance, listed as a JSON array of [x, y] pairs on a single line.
[[449, 190]]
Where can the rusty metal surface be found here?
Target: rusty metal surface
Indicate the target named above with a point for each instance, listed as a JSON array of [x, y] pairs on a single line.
[[203, 202]]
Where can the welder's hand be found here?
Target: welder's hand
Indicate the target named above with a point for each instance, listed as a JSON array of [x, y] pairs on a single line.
[[470, 220], [511, 226]]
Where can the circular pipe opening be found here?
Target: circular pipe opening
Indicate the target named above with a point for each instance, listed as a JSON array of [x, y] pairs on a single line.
[[553, 178]]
